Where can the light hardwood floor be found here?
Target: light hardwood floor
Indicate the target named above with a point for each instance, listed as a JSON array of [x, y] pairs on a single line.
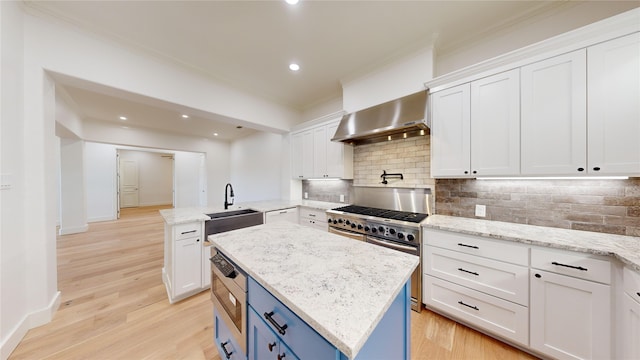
[[114, 305]]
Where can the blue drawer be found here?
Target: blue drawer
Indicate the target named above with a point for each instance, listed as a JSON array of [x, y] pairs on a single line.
[[222, 335], [305, 342]]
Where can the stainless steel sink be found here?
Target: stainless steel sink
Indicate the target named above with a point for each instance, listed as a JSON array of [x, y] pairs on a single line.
[[232, 220]]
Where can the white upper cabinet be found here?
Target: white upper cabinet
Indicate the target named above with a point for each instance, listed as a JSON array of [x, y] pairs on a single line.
[[495, 125], [613, 110], [553, 115], [475, 128], [451, 132], [314, 155]]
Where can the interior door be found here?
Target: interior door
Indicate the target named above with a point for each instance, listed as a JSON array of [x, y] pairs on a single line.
[[128, 183]]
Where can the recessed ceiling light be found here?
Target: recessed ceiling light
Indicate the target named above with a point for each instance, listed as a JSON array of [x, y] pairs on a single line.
[[185, 116], [215, 134], [292, 2], [125, 127], [123, 118], [294, 67]]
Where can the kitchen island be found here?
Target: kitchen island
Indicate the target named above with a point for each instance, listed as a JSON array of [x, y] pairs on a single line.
[[352, 294]]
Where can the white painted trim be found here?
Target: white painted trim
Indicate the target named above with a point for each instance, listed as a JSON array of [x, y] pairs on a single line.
[[101, 218], [318, 121], [73, 230], [30, 321], [154, 203], [607, 29]]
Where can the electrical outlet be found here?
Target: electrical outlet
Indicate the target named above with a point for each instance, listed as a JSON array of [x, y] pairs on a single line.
[[481, 210], [306, 195], [341, 198]]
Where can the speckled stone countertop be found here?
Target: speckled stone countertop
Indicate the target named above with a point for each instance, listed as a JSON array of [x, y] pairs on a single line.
[[340, 287], [624, 248], [185, 215]]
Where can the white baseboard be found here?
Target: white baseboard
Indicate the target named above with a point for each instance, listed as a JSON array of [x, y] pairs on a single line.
[[29, 321], [73, 230], [101, 218], [155, 203]]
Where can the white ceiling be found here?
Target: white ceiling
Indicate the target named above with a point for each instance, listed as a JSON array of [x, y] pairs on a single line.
[[248, 45]]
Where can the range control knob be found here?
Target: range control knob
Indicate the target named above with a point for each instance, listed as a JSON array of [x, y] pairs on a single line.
[[339, 221], [392, 231], [359, 227], [330, 221], [366, 228], [381, 229], [335, 221], [410, 237], [347, 222], [400, 236], [353, 226], [374, 230]]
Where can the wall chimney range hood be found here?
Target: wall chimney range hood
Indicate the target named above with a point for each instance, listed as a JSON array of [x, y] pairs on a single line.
[[396, 119]]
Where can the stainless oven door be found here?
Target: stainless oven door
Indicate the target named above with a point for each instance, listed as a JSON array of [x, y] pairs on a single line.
[[231, 302], [349, 234], [416, 277]]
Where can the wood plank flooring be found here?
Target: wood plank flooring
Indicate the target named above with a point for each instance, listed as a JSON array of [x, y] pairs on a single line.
[[114, 305]]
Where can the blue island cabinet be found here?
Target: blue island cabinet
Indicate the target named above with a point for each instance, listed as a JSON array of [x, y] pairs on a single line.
[[275, 332]]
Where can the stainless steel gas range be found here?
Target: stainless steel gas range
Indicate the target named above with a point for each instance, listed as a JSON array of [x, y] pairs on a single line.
[[390, 218]]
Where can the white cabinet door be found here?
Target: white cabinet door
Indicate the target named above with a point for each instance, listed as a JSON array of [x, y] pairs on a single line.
[[187, 265], [630, 328], [289, 215], [553, 119], [614, 106], [450, 132], [296, 156], [302, 155], [336, 154], [570, 318], [320, 152], [495, 125]]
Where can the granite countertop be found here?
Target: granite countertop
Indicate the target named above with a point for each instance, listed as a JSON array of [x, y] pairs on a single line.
[[340, 287], [624, 248], [190, 214]]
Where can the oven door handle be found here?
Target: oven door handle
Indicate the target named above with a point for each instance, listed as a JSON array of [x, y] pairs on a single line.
[[349, 234], [404, 248]]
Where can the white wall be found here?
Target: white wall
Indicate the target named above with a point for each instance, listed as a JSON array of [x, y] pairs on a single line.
[[155, 176], [73, 210], [100, 171], [256, 172], [187, 179], [565, 17], [14, 246], [403, 77]]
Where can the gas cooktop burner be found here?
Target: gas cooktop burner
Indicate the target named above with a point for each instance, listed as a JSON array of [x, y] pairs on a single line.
[[383, 213]]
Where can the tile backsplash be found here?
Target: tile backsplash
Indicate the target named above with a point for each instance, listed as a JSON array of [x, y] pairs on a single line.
[[327, 190], [607, 206], [410, 157]]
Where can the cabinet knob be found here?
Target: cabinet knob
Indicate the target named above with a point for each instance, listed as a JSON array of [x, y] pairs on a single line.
[[580, 169], [198, 240], [475, 172], [271, 346], [466, 172], [281, 356], [596, 168], [538, 276]]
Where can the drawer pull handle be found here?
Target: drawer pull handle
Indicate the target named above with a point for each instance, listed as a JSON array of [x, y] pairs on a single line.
[[467, 305], [469, 246], [227, 354], [570, 266], [281, 329], [271, 346], [188, 232], [312, 215], [469, 272]]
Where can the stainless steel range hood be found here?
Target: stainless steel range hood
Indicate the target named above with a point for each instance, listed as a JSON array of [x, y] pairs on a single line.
[[401, 118]]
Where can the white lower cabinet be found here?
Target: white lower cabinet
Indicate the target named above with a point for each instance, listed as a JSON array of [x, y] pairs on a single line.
[[188, 266], [570, 316], [289, 215], [314, 218], [497, 316], [630, 317]]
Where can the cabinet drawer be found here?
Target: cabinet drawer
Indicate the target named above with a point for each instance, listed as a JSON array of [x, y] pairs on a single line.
[[305, 342], [497, 316], [185, 231], [320, 225], [632, 283], [580, 265], [492, 249], [224, 340], [311, 213], [504, 280]]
